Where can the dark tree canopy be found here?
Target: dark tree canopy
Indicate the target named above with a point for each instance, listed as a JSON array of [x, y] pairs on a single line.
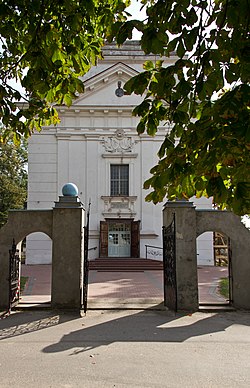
[[203, 97], [46, 46], [13, 177]]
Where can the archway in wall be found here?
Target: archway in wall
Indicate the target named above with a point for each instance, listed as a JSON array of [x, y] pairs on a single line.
[[36, 270], [120, 277], [213, 268], [125, 288]]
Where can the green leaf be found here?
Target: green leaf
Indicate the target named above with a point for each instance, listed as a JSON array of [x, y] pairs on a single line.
[[67, 100], [130, 85], [142, 109], [57, 56], [180, 49], [192, 17], [148, 65], [140, 127], [138, 84], [152, 125], [191, 38]]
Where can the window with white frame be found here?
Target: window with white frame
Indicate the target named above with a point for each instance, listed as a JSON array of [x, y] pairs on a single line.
[[119, 179]]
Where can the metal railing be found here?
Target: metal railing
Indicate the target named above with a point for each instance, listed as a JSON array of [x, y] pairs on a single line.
[[156, 252], [92, 249]]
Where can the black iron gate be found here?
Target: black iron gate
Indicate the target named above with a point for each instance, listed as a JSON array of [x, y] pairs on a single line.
[[230, 274], [14, 276], [14, 280], [169, 266], [86, 264]]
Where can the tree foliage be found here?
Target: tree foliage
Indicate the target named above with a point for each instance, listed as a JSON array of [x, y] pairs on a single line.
[[203, 97], [46, 46], [13, 178]]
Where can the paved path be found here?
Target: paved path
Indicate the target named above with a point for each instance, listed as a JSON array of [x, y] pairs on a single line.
[[38, 286], [208, 281], [123, 349], [117, 286]]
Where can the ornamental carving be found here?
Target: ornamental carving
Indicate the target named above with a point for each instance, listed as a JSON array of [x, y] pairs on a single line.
[[118, 143]]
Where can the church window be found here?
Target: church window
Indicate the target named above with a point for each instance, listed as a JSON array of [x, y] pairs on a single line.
[[119, 179]]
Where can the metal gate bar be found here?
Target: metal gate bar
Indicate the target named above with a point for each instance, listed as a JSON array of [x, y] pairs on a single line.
[[86, 263], [14, 276], [169, 266], [230, 274]]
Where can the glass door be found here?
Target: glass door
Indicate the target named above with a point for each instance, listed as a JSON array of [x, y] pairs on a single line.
[[119, 239]]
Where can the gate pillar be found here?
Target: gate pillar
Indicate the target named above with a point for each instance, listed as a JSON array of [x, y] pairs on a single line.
[[186, 260], [67, 255]]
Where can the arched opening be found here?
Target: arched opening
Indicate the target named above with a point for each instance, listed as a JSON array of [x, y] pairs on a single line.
[[214, 269], [35, 278]]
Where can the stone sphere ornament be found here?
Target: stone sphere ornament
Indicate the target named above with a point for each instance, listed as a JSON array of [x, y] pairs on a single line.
[[70, 190]]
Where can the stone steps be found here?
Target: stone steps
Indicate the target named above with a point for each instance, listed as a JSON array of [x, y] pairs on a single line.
[[125, 264]]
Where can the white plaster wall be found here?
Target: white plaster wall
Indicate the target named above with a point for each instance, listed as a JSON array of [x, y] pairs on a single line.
[[73, 152], [39, 249], [80, 160], [204, 243], [151, 215], [42, 191]]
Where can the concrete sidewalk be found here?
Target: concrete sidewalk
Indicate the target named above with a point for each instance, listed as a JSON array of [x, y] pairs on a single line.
[[121, 289], [121, 349]]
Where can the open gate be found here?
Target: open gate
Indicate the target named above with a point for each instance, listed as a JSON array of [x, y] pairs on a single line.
[[86, 264], [169, 266], [230, 274], [14, 276], [14, 279]]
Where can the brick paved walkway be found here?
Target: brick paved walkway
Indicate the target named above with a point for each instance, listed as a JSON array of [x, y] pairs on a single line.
[[38, 286], [208, 280], [144, 285]]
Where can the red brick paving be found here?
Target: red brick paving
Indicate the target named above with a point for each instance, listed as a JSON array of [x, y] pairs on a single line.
[[38, 286], [124, 285], [208, 280], [127, 285]]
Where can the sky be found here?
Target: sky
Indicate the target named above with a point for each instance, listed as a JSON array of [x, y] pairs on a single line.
[[136, 13]]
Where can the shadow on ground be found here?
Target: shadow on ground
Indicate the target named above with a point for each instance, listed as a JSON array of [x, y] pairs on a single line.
[[100, 328], [147, 326], [24, 322]]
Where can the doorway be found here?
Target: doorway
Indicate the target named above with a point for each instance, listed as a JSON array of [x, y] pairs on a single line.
[[36, 273], [214, 272], [119, 240]]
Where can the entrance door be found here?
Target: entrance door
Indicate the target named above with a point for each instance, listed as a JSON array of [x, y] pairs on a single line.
[[119, 239]]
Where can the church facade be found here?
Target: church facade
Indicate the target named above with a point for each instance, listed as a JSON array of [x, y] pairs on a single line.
[[96, 147]]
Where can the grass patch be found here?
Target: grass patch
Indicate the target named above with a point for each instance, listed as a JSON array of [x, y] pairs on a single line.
[[23, 281], [224, 287]]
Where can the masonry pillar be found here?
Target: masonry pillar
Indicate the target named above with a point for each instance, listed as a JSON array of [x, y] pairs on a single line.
[[67, 255], [186, 260]]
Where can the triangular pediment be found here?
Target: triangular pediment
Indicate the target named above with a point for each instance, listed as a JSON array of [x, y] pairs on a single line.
[[100, 89]]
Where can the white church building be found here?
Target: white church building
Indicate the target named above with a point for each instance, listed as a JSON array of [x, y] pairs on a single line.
[[96, 147]]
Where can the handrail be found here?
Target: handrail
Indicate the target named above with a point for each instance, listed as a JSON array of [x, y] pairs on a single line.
[[151, 246], [92, 249]]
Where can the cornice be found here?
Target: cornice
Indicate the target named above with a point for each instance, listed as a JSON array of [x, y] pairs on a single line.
[[116, 72], [124, 155], [95, 109]]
